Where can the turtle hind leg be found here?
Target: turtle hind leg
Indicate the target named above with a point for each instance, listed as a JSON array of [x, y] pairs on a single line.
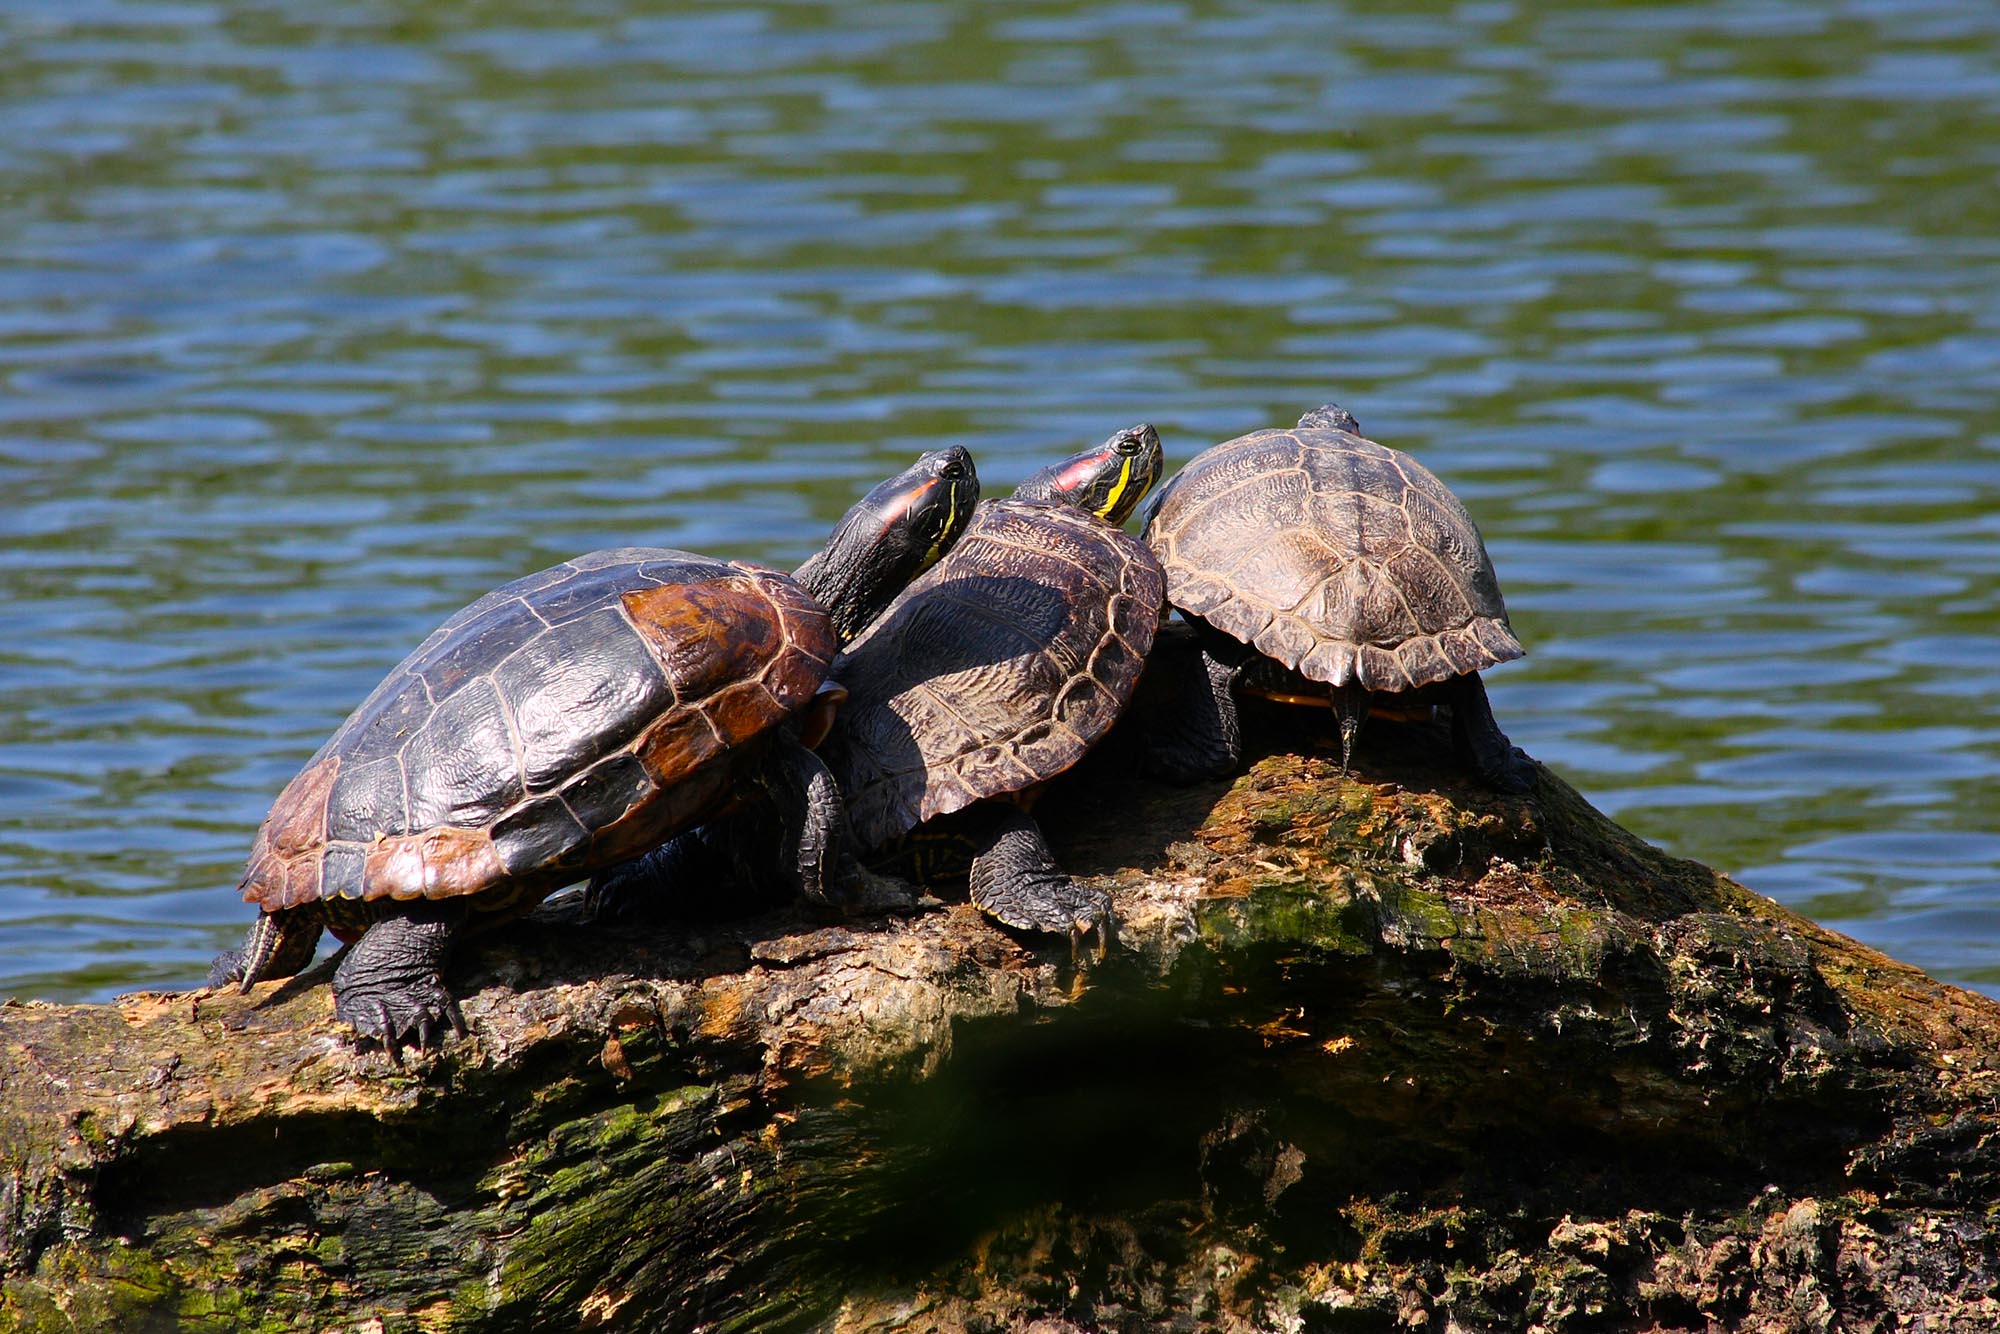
[[278, 944], [1016, 881], [1350, 710], [1480, 742], [1198, 733], [662, 885], [390, 988]]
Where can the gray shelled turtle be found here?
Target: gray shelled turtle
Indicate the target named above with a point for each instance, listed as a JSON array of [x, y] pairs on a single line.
[[1318, 566]]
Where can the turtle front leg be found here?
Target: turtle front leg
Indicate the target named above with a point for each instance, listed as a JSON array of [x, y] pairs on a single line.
[[391, 985], [1200, 736], [278, 944], [813, 843], [1480, 742], [1016, 881]]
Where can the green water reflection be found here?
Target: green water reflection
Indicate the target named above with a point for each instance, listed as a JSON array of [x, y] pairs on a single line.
[[314, 325]]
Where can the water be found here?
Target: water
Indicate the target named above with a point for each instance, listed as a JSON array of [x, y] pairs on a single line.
[[315, 324]]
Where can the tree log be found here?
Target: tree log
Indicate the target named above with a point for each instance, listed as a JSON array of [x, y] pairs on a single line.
[[1376, 1051]]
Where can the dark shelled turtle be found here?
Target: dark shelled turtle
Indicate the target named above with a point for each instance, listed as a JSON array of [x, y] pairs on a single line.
[[566, 721], [995, 672], [1352, 570]]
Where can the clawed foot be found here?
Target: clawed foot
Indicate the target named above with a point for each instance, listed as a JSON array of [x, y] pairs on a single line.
[[1056, 905], [226, 971], [1016, 881], [416, 1013], [390, 987], [1514, 776]]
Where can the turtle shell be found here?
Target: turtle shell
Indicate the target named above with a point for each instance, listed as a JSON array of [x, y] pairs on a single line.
[[1340, 558], [562, 722], [994, 671]]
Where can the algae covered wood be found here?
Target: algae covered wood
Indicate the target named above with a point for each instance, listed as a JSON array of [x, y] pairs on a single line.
[[1373, 1051]]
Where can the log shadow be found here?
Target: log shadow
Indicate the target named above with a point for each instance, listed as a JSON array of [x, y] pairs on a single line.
[[1129, 1123]]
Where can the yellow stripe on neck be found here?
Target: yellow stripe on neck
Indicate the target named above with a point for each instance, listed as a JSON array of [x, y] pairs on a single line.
[[936, 552], [1111, 503]]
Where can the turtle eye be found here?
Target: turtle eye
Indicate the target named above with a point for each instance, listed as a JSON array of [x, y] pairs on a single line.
[[1132, 440], [952, 469]]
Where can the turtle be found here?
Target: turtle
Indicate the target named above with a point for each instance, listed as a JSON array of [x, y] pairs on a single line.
[[1319, 566], [565, 721], [993, 673]]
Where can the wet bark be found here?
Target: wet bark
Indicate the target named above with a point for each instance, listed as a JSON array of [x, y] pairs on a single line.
[[1369, 1052]]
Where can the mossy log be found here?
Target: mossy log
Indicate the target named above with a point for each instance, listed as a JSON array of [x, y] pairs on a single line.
[[1375, 1051]]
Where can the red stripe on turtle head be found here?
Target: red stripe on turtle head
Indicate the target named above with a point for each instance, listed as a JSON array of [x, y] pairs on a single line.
[[1081, 472], [900, 506]]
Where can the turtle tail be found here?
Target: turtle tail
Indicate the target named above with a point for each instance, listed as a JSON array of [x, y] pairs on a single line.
[[279, 944]]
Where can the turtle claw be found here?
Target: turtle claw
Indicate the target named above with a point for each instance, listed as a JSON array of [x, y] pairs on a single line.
[[386, 1033], [1080, 932], [417, 1015], [438, 1021]]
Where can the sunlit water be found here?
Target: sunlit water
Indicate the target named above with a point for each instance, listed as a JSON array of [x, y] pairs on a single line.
[[316, 322]]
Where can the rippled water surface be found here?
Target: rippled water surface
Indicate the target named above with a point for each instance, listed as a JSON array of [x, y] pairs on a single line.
[[318, 321]]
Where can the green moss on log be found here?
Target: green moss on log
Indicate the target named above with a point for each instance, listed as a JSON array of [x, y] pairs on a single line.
[[1385, 1054]]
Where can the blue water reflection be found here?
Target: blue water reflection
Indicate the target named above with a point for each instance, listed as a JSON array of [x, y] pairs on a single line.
[[314, 325]]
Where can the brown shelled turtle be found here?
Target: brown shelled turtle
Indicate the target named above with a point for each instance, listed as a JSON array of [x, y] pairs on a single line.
[[564, 722], [1317, 565], [993, 673]]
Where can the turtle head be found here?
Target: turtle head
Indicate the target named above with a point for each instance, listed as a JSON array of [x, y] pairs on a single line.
[[892, 535], [1109, 479], [1330, 417]]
